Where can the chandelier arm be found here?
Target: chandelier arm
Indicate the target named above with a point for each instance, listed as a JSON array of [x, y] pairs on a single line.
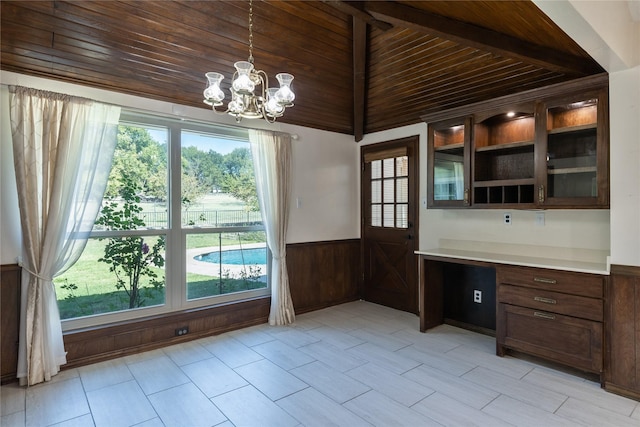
[[215, 110]]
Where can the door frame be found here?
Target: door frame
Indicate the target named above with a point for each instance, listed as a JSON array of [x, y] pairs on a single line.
[[413, 150]]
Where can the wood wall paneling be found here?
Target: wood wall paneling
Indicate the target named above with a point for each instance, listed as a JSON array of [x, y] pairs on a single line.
[[622, 323], [321, 274], [9, 320]]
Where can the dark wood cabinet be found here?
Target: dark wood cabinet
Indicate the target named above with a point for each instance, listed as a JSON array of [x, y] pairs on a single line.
[[547, 148], [503, 157], [573, 155], [448, 163], [622, 370], [557, 315]]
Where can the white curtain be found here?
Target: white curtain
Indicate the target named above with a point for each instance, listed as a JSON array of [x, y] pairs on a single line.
[[63, 147], [271, 153]]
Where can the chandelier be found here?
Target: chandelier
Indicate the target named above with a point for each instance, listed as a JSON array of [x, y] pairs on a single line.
[[251, 96]]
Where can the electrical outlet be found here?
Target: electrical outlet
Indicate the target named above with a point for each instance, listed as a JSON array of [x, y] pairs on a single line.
[[507, 218], [540, 218], [182, 331], [477, 296]]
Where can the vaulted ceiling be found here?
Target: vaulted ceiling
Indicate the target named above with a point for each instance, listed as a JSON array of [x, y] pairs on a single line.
[[359, 67]]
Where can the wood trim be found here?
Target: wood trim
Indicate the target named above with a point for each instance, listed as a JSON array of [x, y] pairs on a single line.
[[106, 342], [370, 156], [582, 84], [359, 76], [625, 270], [10, 279]]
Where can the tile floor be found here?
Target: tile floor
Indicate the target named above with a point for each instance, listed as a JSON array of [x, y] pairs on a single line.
[[351, 365]]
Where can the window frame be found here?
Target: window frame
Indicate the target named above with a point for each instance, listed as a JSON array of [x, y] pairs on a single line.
[[174, 231]]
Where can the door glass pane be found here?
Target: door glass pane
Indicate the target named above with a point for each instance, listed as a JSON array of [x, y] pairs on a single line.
[[402, 215], [388, 218], [402, 190], [402, 166], [388, 193], [388, 171], [376, 215], [376, 192], [376, 169]]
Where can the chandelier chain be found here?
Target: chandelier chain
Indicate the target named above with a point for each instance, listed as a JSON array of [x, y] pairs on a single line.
[[251, 31], [251, 96]]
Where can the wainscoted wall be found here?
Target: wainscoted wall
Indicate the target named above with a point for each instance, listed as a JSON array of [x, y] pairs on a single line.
[[321, 274], [622, 323], [9, 320]]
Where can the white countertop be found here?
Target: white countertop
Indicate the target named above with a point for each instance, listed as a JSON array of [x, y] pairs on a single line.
[[525, 261]]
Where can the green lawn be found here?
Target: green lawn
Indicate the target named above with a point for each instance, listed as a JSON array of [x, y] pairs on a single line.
[[89, 287]]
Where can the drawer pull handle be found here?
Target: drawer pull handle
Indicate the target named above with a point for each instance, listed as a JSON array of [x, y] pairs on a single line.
[[545, 300], [544, 315], [543, 280]]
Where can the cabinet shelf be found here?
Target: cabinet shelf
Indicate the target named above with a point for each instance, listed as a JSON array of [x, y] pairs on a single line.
[[568, 129], [449, 147], [506, 146], [503, 182], [564, 171]]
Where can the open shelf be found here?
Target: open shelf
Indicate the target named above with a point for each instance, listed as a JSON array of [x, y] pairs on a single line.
[[449, 147], [506, 146], [562, 171], [572, 128], [504, 192]]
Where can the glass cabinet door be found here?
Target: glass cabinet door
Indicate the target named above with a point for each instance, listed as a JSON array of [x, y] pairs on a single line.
[[576, 149], [448, 163]]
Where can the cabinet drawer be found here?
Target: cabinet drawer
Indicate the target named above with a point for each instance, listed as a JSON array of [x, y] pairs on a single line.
[[588, 285], [575, 342], [555, 302]]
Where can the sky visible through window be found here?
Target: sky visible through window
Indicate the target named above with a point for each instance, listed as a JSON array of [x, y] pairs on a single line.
[[200, 141]]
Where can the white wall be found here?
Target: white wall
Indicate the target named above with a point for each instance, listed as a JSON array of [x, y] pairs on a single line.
[[10, 236], [624, 96], [610, 32], [325, 171]]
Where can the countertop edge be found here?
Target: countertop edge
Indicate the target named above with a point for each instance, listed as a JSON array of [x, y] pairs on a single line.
[[495, 258]]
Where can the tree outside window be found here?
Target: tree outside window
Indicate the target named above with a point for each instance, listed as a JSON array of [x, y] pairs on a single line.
[[124, 264]]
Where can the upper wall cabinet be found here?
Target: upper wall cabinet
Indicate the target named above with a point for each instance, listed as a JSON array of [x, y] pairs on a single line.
[[503, 157], [547, 148], [448, 163], [573, 158]]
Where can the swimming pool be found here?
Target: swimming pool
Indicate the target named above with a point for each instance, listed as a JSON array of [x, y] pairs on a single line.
[[251, 256]]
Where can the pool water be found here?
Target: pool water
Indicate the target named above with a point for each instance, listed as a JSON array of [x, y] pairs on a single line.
[[235, 257]]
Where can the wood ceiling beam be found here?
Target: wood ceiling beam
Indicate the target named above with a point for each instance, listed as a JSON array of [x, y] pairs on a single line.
[[481, 38], [356, 9], [359, 76]]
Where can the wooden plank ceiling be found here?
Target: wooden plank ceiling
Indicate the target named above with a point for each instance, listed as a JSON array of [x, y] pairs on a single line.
[[359, 67]]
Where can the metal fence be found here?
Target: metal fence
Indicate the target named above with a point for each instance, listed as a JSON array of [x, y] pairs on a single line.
[[205, 218]]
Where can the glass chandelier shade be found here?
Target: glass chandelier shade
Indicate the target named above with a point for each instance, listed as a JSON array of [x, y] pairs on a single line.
[[251, 96]]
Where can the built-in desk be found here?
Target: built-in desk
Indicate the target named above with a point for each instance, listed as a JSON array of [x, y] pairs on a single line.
[[549, 307]]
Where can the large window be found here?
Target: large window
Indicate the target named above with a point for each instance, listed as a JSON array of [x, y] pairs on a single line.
[[179, 226]]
